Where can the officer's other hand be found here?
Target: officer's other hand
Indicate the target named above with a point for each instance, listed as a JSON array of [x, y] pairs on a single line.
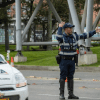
[[61, 24]]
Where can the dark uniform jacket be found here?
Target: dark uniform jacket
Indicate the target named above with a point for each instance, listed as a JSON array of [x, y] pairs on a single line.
[[69, 44]]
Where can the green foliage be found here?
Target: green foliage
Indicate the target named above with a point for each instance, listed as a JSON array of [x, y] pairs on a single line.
[[62, 8], [97, 7], [60, 5], [28, 8], [4, 16], [79, 4]]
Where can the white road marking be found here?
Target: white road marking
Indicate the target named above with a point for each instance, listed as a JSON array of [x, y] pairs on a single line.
[[48, 94]]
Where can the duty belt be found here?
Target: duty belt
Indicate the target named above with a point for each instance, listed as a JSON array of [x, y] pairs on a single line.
[[68, 50], [67, 58]]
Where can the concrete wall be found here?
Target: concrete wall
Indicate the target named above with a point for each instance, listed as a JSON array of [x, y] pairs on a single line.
[[87, 59]]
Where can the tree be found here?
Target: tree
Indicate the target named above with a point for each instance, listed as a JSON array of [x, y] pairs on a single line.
[[97, 8], [4, 19]]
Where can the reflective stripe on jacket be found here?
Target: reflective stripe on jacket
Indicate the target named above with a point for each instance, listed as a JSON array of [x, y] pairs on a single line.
[[66, 40]]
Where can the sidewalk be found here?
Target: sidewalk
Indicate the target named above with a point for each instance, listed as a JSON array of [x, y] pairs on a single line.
[[56, 68]]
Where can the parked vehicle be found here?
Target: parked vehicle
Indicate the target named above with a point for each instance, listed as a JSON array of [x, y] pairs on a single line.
[[13, 85]]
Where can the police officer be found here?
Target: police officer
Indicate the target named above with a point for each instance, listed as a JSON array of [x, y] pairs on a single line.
[[68, 44]]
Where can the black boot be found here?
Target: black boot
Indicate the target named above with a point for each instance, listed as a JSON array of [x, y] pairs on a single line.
[[70, 90], [62, 86]]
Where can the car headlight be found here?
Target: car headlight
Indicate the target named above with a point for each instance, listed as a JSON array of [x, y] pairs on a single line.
[[20, 80]]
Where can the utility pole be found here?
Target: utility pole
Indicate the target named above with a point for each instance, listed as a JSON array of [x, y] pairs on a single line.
[[75, 18], [89, 22], [84, 17], [18, 27], [19, 57]]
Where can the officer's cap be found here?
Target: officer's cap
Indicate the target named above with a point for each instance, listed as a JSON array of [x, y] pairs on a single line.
[[68, 25]]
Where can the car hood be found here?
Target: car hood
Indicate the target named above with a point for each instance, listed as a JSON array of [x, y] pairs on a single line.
[[7, 74]]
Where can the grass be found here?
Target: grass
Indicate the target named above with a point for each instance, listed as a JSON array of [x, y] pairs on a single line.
[[39, 58], [43, 58]]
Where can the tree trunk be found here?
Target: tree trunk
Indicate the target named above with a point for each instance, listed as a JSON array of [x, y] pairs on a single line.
[[14, 33], [6, 37], [34, 32], [49, 35], [28, 38], [43, 35], [6, 32]]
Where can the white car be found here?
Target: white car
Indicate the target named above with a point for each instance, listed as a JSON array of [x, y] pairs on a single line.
[[13, 85]]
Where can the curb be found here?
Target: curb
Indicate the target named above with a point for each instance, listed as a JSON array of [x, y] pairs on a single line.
[[56, 68], [25, 67]]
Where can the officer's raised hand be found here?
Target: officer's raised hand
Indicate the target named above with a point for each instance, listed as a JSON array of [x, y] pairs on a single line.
[[97, 30], [61, 24]]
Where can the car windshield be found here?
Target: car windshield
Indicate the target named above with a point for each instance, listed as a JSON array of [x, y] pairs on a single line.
[[2, 61]]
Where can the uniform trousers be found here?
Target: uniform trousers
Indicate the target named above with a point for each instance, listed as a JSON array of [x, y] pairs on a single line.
[[67, 69]]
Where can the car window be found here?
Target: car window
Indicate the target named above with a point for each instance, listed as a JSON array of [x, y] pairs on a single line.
[[2, 61]]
